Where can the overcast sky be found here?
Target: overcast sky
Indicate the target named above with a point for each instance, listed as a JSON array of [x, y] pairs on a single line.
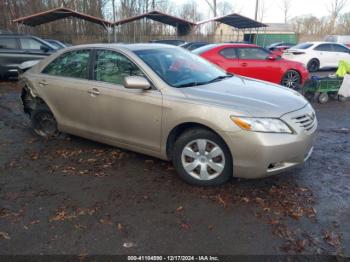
[[273, 12]]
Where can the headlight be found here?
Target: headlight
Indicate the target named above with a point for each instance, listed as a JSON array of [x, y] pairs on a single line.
[[266, 125]]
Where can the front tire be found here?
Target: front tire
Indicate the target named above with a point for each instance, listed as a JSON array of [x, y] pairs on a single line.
[[291, 79], [202, 158], [44, 122]]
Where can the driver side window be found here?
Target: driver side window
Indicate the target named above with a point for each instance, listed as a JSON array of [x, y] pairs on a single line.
[[112, 67], [31, 44]]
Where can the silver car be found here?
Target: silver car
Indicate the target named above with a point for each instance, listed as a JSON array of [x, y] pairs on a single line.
[[165, 102]]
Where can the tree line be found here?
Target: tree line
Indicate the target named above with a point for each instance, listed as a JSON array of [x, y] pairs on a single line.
[[308, 27]]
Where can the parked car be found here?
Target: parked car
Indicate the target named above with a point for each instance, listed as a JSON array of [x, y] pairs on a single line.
[[175, 42], [16, 49], [56, 43], [278, 48], [256, 62], [341, 39], [169, 103], [318, 55], [193, 45]]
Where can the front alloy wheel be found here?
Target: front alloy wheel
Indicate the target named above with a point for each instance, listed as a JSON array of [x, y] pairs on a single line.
[[291, 79]]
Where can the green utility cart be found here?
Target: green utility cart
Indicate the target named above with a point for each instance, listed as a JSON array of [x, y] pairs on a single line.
[[322, 89]]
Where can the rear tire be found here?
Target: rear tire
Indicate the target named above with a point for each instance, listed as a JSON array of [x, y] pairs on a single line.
[[309, 95], [313, 65], [341, 98], [202, 158], [44, 122]]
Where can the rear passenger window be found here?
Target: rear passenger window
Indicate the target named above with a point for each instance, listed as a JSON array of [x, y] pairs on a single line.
[[229, 53], [112, 67], [252, 53], [71, 64], [324, 47], [8, 43], [29, 43], [341, 49]]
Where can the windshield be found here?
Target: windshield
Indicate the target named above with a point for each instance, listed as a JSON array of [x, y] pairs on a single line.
[[302, 46], [204, 49], [180, 68]]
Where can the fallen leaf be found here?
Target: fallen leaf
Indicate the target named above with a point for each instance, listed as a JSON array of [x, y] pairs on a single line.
[[60, 216], [185, 226], [245, 199], [34, 222], [179, 209], [222, 201], [4, 235], [129, 245], [35, 156], [105, 221], [79, 226]]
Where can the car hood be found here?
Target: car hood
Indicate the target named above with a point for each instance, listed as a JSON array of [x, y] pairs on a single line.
[[248, 97]]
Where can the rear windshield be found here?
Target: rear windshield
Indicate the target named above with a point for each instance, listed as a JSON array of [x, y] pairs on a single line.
[[203, 49], [303, 46]]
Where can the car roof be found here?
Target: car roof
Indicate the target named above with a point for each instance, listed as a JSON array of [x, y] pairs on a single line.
[[131, 47], [220, 45], [320, 42]]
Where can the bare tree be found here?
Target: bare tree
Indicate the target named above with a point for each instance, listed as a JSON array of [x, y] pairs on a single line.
[[189, 11], [213, 6], [262, 10], [335, 8], [285, 7], [225, 8]]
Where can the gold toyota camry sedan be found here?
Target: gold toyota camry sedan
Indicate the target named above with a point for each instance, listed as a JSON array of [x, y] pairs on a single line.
[[166, 102]]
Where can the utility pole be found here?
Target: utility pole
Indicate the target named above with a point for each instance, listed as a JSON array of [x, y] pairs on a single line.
[[114, 32], [256, 9]]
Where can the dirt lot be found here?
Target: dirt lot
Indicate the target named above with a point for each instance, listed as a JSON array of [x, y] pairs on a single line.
[[74, 196]]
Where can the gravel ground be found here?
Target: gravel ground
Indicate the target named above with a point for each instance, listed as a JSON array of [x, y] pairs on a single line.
[[75, 196]]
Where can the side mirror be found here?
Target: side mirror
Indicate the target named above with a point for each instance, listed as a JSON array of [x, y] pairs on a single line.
[[44, 48], [136, 82], [271, 57]]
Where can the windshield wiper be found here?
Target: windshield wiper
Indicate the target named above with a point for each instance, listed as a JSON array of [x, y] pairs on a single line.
[[219, 78], [191, 84], [216, 79]]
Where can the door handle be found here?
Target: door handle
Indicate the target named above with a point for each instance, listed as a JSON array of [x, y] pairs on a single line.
[[244, 64], [94, 92], [43, 83]]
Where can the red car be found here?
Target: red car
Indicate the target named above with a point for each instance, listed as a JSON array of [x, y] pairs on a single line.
[[255, 62]]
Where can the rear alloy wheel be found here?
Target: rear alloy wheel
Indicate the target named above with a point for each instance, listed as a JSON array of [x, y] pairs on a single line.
[[313, 65], [291, 79], [202, 158]]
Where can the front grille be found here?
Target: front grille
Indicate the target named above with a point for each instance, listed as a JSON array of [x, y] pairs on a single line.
[[307, 121]]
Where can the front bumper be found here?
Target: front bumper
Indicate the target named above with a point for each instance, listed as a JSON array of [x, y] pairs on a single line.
[[257, 155]]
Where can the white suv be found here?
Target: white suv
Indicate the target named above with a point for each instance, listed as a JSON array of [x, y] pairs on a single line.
[[316, 55]]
